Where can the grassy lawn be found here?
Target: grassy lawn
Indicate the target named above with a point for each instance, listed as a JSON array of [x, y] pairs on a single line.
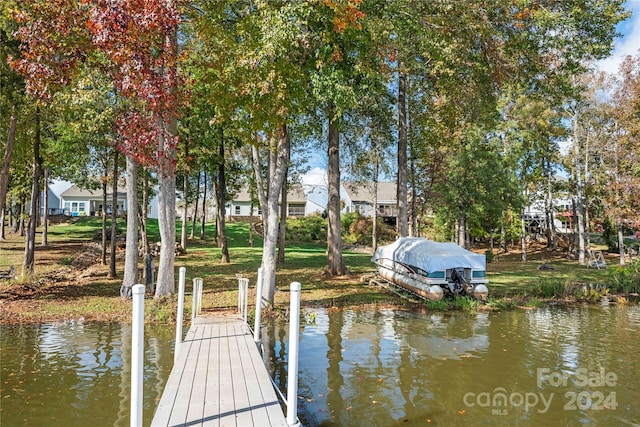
[[62, 289]]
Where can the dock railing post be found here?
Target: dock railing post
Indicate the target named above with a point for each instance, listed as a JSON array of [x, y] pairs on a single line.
[[245, 312], [181, 279], [256, 325], [194, 299], [137, 353], [239, 276], [292, 365], [200, 286], [243, 297]]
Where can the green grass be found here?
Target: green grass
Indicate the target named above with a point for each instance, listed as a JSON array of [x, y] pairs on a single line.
[[512, 283]]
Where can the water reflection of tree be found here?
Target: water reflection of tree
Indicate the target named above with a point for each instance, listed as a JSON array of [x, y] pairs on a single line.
[[275, 352], [335, 380]]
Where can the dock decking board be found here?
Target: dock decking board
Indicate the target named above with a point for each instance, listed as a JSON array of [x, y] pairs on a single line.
[[219, 380]]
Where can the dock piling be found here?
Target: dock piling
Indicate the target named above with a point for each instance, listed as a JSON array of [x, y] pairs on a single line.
[[292, 365], [181, 279], [137, 353]]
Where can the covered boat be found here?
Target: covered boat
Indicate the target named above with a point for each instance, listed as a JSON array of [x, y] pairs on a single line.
[[431, 269]]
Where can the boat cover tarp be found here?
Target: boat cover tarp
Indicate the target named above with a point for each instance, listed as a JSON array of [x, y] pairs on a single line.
[[430, 256]]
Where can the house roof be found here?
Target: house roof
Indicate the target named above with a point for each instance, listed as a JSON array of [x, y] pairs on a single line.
[[75, 191], [363, 192], [294, 195]]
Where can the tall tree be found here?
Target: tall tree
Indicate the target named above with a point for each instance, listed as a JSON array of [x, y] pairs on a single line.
[[137, 42], [29, 253]]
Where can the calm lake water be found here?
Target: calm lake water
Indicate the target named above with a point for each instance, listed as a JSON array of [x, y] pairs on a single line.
[[72, 373], [552, 366]]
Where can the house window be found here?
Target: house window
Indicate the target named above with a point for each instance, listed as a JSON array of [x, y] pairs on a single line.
[[237, 210], [296, 210]]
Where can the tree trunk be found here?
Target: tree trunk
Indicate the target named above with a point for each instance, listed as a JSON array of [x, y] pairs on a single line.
[[335, 262], [144, 212], [204, 206], [21, 215], [185, 197], [579, 197], [167, 225], [403, 230], [282, 228], [221, 190], [374, 216], [29, 250], [621, 243], [2, 229], [523, 238], [587, 225], [553, 235], [114, 215], [104, 219], [413, 228], [269, 194], [45, 210], [167, 183], [251, 224], [130, 275], [461, 235], [4, 174], [195, 209]]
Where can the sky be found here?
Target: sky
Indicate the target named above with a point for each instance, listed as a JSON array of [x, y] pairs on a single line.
[[629, 43]]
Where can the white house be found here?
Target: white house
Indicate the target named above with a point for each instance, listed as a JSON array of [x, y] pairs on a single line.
[[240, 206], [76, 201], [359, 197]]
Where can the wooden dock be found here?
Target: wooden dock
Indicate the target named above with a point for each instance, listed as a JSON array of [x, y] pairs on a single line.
[[219, 379]]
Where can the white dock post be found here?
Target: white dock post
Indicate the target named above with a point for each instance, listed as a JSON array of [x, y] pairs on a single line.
[[239, 276], [292, 365], [245, 312], [181, 279], [243, 297], [256, 324], [194, 299], [200, 287], [137, 353]]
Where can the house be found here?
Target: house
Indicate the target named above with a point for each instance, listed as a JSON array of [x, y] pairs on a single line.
[[535, 218], [76, 201], [359, 197], [53, 202], [240, 207]]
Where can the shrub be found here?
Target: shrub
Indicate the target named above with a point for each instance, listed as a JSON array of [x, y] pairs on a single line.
[[489, 255], [626, 279], [311, 228]]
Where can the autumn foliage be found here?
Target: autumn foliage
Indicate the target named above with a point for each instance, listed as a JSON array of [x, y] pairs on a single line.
[[133, 41]]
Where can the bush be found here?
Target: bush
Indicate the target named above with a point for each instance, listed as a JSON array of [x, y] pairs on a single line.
[[307, 229], [358, 229], [626, 279], [489, 255]]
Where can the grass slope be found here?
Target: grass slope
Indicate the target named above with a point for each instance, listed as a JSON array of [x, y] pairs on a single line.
[[65, 288]]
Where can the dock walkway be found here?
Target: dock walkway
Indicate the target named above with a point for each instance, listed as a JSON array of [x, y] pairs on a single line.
[[219, 379]]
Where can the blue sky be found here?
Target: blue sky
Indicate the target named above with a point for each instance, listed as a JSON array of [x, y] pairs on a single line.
[[629, 43]]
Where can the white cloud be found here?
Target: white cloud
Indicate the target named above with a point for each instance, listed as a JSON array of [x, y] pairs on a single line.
[[628, 44], [314, 184], [315, 178]]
